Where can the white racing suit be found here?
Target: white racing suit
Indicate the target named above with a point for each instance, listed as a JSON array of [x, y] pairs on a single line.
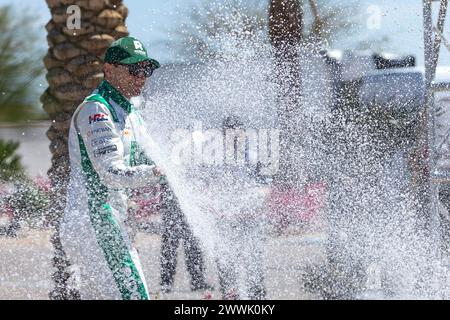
[[105, 162]]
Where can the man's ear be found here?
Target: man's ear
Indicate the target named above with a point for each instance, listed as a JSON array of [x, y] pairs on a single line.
[[107, 69]]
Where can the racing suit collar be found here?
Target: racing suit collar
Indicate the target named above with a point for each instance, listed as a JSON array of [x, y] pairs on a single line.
[[109, 92]]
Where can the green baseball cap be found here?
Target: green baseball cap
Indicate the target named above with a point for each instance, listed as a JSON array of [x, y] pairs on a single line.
[[128, 50]]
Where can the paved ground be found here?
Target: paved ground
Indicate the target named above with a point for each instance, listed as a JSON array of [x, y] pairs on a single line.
[[25, 266]]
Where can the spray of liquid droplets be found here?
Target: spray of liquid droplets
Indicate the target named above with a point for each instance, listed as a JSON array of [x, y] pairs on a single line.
[[374, 249]]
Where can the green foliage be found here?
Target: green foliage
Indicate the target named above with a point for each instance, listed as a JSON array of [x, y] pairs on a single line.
[[10, 166], [28, 201], [21, 64]]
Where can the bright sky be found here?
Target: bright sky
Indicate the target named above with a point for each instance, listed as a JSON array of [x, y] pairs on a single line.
[[391, 25]]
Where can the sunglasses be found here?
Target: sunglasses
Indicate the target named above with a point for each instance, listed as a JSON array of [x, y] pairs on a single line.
[[139, 70]]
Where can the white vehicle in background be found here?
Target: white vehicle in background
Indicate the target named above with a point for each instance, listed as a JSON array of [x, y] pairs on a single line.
[[403, 90], [395, 83], [383, 98]]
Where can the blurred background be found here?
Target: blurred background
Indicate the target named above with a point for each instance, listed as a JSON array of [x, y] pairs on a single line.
[[369, 47], [378, 26]]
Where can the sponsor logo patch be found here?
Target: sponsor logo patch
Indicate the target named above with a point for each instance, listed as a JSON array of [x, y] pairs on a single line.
[[99, 117], [101, 140], [98, 130], [105, 150]]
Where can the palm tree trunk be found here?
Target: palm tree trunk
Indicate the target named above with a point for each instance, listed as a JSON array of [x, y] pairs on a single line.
[[74, 64], [285, 32]]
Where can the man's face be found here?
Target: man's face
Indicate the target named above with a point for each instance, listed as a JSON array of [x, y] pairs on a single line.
[[129, 84]]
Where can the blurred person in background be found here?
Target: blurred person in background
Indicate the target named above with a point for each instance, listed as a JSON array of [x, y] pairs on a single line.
[[175, 230]]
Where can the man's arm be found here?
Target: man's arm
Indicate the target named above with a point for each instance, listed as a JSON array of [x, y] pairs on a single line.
[[106, 151]]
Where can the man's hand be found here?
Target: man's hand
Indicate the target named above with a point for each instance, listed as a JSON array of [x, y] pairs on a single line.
[[157, 171]]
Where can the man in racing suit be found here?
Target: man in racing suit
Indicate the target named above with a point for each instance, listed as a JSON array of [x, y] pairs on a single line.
[[106, 161]]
